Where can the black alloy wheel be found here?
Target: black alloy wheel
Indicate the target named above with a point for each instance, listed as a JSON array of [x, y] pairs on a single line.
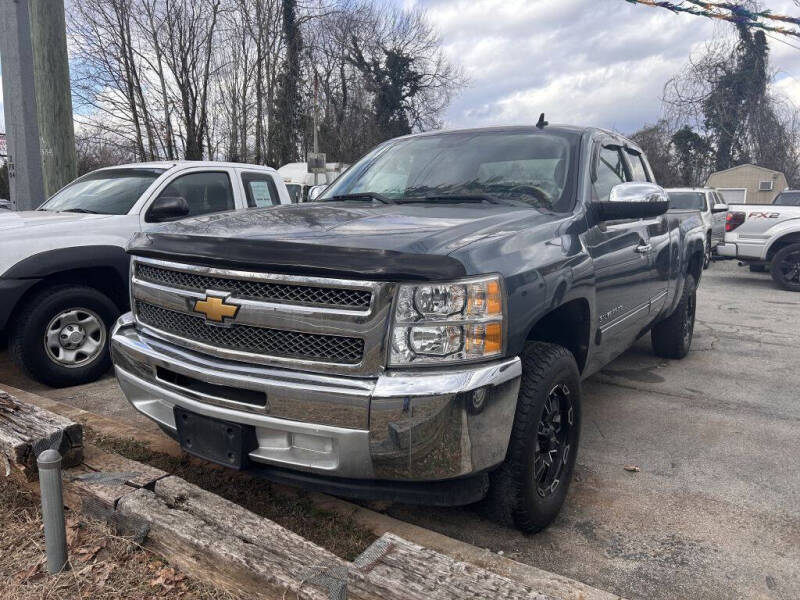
[[552, 440], [786, 267]]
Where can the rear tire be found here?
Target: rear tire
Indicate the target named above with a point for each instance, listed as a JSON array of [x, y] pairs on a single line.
[[529, 488], [786, 267], [76, 315], [672, 337], [707, 253]]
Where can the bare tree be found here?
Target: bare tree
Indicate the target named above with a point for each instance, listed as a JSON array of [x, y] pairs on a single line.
[[235, 78]]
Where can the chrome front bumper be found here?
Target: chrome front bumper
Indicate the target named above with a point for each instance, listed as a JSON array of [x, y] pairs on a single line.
[[420, 425]]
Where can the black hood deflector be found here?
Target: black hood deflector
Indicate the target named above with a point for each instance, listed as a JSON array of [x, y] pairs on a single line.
[[295, 258]]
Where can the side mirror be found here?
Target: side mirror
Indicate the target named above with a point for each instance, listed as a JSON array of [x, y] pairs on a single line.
[[167, 208], [316, 191], [718, 208], [633, 200]]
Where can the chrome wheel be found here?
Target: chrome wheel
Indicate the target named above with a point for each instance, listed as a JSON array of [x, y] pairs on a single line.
[[552, 447], [75, 337]]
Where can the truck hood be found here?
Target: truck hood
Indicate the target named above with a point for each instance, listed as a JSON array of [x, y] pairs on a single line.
[[411, 240], [26, 234], [41, 222]]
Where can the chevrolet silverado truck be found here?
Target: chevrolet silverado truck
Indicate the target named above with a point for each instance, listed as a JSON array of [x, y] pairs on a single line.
[[767, 237], [63, 267], [712, 208], [420, 331]]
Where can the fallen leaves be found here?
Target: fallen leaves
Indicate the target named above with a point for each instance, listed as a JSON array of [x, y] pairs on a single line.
[[168, 579], [30, 574]]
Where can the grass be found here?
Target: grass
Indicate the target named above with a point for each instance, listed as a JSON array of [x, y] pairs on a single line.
[[294, 511], [103, 565]]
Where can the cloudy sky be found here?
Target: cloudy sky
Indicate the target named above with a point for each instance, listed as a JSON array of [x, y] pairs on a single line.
[[592, 62]]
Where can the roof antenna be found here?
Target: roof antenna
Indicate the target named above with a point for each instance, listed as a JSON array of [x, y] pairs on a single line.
[[542, 123]]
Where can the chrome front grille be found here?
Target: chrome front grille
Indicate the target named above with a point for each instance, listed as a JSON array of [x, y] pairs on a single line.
[[324, 325], [259, 340], [258, 290]]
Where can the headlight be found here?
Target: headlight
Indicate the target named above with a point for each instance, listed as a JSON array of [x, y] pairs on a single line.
[[448, 322]]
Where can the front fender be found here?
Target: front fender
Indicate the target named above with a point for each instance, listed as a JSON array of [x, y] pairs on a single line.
[[43, 264]]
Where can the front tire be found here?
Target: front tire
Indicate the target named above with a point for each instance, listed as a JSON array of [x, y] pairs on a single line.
[[785, 269], [529, 488], [61, 336], [707, 255], [672, 337]]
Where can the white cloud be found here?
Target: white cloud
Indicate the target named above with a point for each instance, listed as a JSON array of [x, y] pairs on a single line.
[[592, 62], [598, 62]]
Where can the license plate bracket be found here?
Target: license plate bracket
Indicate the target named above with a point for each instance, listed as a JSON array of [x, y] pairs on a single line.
[[218, 441]]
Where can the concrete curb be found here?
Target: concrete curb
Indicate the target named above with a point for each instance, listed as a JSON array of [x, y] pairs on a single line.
[[543, 581]]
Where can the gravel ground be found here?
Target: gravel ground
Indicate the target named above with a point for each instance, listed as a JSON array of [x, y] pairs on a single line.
[[714, 511]]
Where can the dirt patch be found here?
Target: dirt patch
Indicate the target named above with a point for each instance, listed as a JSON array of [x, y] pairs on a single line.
[[295, 510], [104, 565]]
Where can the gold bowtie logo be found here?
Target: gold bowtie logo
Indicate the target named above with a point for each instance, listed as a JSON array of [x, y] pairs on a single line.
[[215, 309]]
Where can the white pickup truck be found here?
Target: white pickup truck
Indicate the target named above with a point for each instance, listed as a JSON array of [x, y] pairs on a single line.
[[712, 208], [63, 267], [767, 236]]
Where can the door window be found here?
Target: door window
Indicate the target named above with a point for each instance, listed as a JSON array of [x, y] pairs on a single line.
[[205, 192], [638, 171], [260, 190], [610, 171]]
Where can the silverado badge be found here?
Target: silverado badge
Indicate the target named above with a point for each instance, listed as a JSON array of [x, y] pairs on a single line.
[[215, 309]]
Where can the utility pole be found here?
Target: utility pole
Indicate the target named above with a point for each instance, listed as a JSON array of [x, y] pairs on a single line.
[[316, 119], [37, 99]]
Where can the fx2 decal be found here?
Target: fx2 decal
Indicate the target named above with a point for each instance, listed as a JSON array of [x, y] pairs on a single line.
[[763, 215]]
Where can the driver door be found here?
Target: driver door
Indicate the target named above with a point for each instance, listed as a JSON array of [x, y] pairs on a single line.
[[623, 261]]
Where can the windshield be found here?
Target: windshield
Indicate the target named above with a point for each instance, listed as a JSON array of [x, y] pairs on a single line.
[[687, 200], [521, 168], [107, 192], [787, 199]]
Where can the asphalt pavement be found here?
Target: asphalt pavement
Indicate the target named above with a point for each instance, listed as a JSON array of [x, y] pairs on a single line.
[[713, 513]]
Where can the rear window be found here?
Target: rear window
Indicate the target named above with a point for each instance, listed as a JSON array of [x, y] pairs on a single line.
[[788, 199], [687, 200]]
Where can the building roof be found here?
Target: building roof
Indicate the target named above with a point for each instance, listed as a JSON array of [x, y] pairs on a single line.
[[743, 166]]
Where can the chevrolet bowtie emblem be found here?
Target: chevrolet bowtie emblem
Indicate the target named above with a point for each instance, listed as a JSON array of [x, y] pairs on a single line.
[[215, 309]]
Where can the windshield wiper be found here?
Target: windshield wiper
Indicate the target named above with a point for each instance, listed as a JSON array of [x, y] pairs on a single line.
[[364, 195], [469, 198], [85, 211]]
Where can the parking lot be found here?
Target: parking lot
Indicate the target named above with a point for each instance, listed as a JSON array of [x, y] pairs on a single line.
[[713, 512]]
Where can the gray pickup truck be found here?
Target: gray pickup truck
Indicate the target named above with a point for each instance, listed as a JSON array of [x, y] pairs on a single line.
[[420, 331]]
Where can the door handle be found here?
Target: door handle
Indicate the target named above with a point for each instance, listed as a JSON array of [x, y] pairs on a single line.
[[644, 248]]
